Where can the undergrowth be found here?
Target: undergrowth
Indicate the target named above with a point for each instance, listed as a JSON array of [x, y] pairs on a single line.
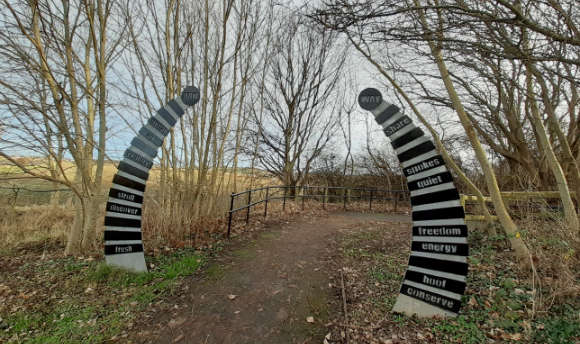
[[502, 304], [67, 300]]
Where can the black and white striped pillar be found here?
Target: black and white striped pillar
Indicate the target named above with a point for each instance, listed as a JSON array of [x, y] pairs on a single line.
[[123, 240], [435, 278]]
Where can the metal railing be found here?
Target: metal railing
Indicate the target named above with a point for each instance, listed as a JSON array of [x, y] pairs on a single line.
[[284, 193]]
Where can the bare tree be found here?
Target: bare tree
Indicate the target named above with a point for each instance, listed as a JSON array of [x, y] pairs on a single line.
[[347, 109], [300, 118], [216, 51], [412, 25], [56, 59]]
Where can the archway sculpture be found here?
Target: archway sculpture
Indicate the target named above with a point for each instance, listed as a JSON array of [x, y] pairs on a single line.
[[436, 274], [123, 240]]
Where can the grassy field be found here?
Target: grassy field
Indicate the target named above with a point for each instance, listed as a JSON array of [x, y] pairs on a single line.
[[39, 165]]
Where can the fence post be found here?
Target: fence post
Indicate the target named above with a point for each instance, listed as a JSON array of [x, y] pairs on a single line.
[[344, 197], [295, 192], [248, 211], [267, 197], [303, 194], [371, 200], [284, 198], [396, 201], [325, 197], [230, 218]]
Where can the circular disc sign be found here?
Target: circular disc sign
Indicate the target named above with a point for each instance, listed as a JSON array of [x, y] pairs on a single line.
[[190, 95], [370, 98]]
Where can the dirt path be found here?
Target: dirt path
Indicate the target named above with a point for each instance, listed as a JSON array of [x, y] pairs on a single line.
[[261, 291]]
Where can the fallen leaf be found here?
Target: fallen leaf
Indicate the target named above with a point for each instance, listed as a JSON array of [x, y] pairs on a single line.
[[527, 326], [176, 322], [282, 314], [4, 290], [472, 301]]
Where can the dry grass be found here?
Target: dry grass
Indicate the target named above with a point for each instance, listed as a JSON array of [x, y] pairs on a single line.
[[30, 213], [163, 226], [31, 216], [40, 166], [38, 225], [555, 251]]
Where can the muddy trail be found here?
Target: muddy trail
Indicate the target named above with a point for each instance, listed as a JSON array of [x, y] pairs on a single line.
[[273, 288]]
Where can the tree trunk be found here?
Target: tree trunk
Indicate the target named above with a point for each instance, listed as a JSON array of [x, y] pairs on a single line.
[[505, 219], [75, 235], [449, 161], [553, 163], [90, 227]]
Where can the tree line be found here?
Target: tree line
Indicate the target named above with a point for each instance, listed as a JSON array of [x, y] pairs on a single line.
[[494, 80], [76, 74]]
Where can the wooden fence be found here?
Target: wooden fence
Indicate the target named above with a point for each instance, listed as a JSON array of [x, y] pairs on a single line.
[[507, 197]]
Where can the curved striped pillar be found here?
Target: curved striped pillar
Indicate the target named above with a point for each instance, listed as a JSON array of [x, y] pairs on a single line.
[[123, 241], [435, 278]]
